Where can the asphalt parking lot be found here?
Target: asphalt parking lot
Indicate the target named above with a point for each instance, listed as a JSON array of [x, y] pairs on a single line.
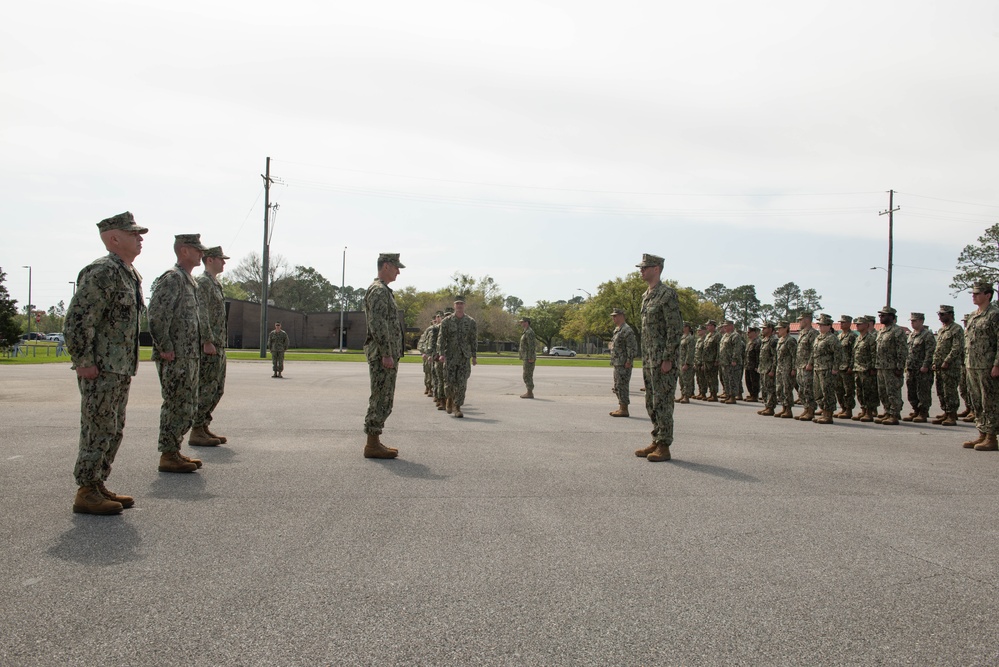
[[525, 534]]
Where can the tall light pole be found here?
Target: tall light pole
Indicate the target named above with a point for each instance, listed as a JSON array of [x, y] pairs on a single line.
[[30, 307], [891, 239], [343, 297], [73, 283], [586, 338]]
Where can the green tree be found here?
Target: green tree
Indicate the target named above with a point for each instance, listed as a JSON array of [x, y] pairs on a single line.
[[978, 263], [233, 290], [10, 329], [249, 270], [743, 306], [786, 300], [547, 319], [513, 304], [307, 291], [810, 301]]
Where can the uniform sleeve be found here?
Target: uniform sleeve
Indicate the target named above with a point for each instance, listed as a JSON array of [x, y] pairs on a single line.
[[161, 310], [532, 346], [86, 310]]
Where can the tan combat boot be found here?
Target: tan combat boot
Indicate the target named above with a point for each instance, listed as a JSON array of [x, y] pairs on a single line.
[[457, 412], [124, 501], [940, 418], [969, 418], [685, 399], [970, 444], [622, 411], [201, 439], [440, 403], [645, 451], [90, 500], [448, 406], [912, 415], [857, 417], [890, 420], [172, 462], [962, 415], [661, 453], [211, 434], [528, 394], [808, 415], [847, 414], [196, 462], [950, 419], [730, 400], [786, 413], [374, 449], [990, 444], [826, 418], [920, 418], [767, 412], [867, 417]]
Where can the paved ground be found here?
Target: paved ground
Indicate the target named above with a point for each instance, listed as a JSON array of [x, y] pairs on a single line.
[[525, 534]]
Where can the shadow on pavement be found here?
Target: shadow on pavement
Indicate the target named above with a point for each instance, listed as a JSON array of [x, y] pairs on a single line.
[[717, 471], [98, 541], [180, 486], [404, 468]]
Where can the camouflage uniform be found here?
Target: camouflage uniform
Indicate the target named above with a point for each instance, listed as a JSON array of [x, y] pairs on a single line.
[[662, 327], [753, 348], [731, 350], [428, 362], [384, 339], [709, 361], [981, 355], [805, 378], [845, 385], [699, 373], [949, 350], [865, 370], [528, 352], [787, 350], [890, 362], [919, 385], [826, 360], [211, 373], [458, 343], [176, 326], [624, 349], [277, 343], [687, 351], [102, 330], [767, 365], [437, 369]]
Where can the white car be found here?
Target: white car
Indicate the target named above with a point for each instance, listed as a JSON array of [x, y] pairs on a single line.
[[559, 351]]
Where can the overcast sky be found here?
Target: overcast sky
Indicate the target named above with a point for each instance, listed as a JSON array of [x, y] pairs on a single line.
[[546, 144]]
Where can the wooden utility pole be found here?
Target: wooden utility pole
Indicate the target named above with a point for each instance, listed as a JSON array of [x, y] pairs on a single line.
[[265, 262], [891, 210]]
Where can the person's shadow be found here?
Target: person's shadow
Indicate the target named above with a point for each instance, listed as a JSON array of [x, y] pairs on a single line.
[[717, 471], [404, 468], [98, 541]]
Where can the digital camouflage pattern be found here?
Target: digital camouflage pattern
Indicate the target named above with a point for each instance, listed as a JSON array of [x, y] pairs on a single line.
[[892, 351], [919, 384], [787, 350], [982, 353], [846, 386], [458, 342], [102, 330], [688, 345], [437, 370], [528, 351], [806, 386], [175, 325], [709, 361], [752, 365], [826, 360], [428, 362], [384, 339], [699, 374], [624, 349], [731, 354], [865, 370], [662, 327], [212, 370], [278, 342], [767, 368], [948, 365]]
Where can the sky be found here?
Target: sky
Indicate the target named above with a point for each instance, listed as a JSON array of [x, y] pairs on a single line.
[[545, 144]]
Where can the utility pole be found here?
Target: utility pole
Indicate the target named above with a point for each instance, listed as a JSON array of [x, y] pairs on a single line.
[[891, 210], [265, 262], [343, 296]]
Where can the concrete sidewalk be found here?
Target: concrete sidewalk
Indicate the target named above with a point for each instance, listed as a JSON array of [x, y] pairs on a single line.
[[525, 534]]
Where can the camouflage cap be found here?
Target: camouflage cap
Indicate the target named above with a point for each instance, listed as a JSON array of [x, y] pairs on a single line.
[[946, 309], [783, 324], [981, 287], [193, 240], [525, 319], [870, 319], [769, 325], [216, 251], [460, 298], [825, 320], [711, 323], [753, 327], [887, 310], [846, 319], [650, 260], [448, 310], [688, 325], [617, 311], [917, 316], [123, 221], [806, 316], [439, 313], [861, 319], [729, 323], [701, 327], [391, 258]]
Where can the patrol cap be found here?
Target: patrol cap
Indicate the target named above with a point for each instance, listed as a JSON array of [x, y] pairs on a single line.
[[448, 310], [193, 240], [525, 319], [701, 327], [825, 320], [123, 221], [769, 325], [917, 316], [391, 258], [216, 251], [729, 323], [618, 311], [871, 319], [861, 319], [439, 313], [845, 319], [650, 260], [887, 310], [805, 316], [982, 287], [783, 324], [688, 325], [946, 309], [711, 323], [460, 298], [753, 327]]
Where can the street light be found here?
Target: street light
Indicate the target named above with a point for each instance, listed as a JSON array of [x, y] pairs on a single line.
[[888, 296], [29, 308], [586, 338], [73, 283], [343, 297], [588, 295]]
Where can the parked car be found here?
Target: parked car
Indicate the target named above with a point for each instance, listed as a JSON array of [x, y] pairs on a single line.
[[56, 337], [559, 351], [34, 335]]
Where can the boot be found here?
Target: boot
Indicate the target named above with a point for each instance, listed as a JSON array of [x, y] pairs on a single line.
[[275, 374], [808, 415], [196, 462], [374, 449], [867, 418], [712, 399], [826, 418], [440, 403], [752, 399], [969, 419], [622, 411], [912, 415], [221, 438], [857, 417], [642, 453], [457, 412], [940, 418], [90, 500], [786, 413], [971, 443], [890, 420], [989, 445], [172, 462], [846, 414], [685, 399], [449, 406], [730, 400], [839, 415], [768, 412], [920, 418], [124, 501], [962, 415], [661, 453], [528, 394], [950, 419], [281, 374], [700, 397], [201, 439]]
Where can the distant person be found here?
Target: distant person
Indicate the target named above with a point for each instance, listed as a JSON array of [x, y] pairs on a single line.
[[766, 367], [919, 370], [528, 351], [709, 361], [179, 340], [846, 386], [948, 365], [662, 326], [277, 343], [824, 365], [383, 347], [624, 349], [891, 354], [458, 343], [688, 344], [752, 364], [865, 369], [806, 388], [211, 373], [787, 354], [102, 338], [982, 362]]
